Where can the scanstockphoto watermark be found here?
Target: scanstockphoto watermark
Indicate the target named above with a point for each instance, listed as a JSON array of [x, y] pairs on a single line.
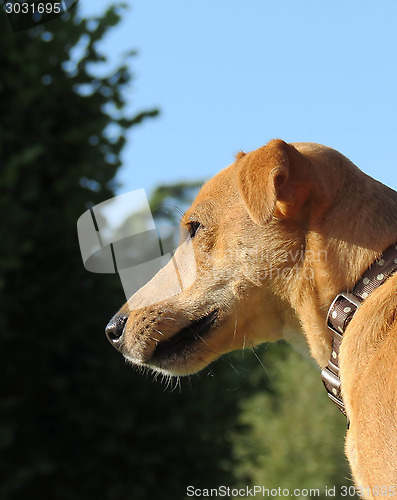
[[26, 14], [263, 492], [247, 492], [120, 236]]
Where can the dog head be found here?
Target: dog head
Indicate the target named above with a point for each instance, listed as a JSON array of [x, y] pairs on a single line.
[[247, 230]]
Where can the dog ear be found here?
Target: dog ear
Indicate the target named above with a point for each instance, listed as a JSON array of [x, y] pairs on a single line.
[[273, 181]]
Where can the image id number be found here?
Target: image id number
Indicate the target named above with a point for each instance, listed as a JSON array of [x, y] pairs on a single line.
[[32, 8]]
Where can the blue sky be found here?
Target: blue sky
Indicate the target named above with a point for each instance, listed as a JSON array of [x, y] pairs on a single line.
[[233, 74]]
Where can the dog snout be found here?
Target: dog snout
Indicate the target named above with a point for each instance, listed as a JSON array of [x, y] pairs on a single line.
[[115, 329]]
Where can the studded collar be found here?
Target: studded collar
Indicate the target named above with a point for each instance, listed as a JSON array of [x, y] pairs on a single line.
[[342, 311]]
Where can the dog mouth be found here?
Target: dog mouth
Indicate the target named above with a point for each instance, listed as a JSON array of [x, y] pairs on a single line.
[[183, 342]]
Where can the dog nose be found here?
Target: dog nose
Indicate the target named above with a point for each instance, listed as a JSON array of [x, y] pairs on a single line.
[[114, 330]]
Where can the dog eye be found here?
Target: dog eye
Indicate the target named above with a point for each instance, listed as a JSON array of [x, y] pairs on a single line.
[[192, 227]]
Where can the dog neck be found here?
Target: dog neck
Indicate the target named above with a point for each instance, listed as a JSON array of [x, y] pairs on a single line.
[[340, 246]]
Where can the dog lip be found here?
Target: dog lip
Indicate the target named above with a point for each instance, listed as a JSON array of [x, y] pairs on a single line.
[[182, 339]]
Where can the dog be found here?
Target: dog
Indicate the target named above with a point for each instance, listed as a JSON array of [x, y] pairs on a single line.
[[277, 236]]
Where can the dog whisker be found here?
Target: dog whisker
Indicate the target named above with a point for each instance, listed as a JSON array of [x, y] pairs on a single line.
[[245, 333], [235, 327], [177, 384], [168, 381], [198, 336], [167, 310], [232, 365], [260, 361]]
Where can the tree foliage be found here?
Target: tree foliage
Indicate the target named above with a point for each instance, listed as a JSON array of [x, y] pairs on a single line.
[[292, 435]]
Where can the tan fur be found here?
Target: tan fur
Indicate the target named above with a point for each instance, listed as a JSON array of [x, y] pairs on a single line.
[[283, 230]]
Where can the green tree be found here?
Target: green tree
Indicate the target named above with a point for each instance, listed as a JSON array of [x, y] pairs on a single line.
[[291, 435]]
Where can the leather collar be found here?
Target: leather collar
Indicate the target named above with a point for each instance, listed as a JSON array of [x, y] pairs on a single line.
[[342, 311]]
